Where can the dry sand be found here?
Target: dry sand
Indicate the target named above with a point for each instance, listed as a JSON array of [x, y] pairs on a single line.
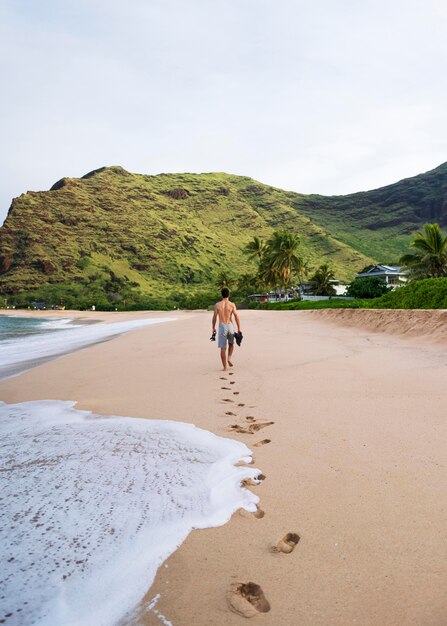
[[354, 464]]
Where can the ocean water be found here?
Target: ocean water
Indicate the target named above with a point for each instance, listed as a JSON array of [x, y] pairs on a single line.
[[13, 327], [26, 342], [90, 506]]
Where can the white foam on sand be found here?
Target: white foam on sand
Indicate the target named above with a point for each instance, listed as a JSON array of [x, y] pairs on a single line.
[[90, 506], [17, 355], [63, 322]]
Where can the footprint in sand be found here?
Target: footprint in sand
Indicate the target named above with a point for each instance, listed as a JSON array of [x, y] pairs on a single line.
[[230, 373], [253, 482], [227, 400], [261, 443], [287, 544], [232, 382], [241, 404], [235, 393], [226, 388], [259, 513], [222, 378], [251, 429], [230, 413], [250, 418], [247, 599]]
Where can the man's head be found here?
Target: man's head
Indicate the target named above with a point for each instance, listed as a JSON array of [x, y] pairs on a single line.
[[225, 292]]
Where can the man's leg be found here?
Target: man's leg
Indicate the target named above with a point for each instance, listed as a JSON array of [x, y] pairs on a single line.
[[223, 356], [230, 352]]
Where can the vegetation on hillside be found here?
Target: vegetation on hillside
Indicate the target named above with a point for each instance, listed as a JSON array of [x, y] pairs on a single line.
[[152, 236], [380, 223], [121, 240]]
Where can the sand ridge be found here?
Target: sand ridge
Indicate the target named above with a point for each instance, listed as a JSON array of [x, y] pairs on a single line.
[[430, 324]]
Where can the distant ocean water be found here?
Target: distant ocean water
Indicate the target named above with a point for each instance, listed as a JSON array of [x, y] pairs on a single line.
[[12, 327], [27, 341]]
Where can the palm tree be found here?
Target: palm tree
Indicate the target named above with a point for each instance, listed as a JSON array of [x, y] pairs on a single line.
[[247, 284], [302, 273], [223, 279], [430, 260], [321, 281], [267, 275], [280, 258], [254, 249]]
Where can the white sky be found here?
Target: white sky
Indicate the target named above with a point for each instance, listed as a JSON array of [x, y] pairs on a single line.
[[329, 96]]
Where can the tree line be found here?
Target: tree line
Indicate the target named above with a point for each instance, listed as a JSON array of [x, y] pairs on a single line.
[[430, 257], [279, 266]]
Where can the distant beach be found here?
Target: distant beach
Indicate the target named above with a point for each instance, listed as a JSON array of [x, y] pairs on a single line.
[[347, 425], [29, 340]]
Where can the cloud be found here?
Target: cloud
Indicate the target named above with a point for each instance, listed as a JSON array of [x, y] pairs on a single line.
[[323, 97]]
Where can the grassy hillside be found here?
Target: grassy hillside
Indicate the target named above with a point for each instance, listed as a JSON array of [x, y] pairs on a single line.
[[379, 223], [112, 231], [152, 233]]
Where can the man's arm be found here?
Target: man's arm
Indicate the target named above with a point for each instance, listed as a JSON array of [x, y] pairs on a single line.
[[214, 319], [236, 317]]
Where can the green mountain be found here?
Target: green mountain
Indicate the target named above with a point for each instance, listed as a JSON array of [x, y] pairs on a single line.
[[379, 223], [157, 232], [117, 231]]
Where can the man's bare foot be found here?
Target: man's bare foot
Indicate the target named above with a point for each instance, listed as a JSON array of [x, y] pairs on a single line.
[[230, 363], [224, 369]]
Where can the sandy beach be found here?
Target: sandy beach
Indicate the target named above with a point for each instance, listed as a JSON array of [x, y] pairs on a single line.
[[348, 425]]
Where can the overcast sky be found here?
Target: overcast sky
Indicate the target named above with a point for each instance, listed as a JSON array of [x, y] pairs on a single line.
[[329, 96]]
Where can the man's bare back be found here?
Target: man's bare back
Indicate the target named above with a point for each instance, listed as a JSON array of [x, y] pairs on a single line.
[[225, 310]]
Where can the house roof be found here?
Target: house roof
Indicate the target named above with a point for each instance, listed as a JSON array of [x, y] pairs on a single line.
[[383, 270]]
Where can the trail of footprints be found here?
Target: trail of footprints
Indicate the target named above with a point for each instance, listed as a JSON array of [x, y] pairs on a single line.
[[247, 598]]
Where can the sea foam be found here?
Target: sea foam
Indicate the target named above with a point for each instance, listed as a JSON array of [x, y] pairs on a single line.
[[62, 336], [90, 506]]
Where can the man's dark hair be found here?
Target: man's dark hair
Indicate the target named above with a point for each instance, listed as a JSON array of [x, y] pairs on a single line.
[[225, 292]]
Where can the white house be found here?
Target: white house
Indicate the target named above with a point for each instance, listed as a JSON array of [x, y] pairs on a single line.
[[392, 275], [304, 291], [339, 286], [308, 288]]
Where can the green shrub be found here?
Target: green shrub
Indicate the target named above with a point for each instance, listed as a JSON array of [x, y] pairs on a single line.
[[428, 293], [333, 303], [83, 262], [367, 287]]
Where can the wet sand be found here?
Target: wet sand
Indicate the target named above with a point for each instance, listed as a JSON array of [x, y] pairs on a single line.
[[354, 461]]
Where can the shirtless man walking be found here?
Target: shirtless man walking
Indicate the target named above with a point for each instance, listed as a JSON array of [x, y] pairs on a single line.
[[225, 310]]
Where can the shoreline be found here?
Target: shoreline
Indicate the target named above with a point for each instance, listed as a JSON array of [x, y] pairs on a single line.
[[429, 324], [37, 348], [353, 462], [61, 463]]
